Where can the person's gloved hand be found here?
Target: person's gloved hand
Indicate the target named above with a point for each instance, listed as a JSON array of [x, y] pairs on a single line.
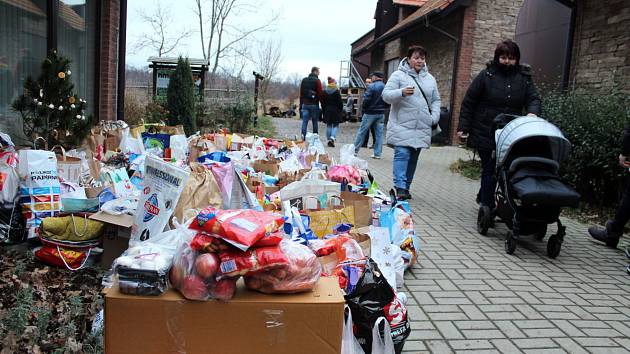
[[623, 161]]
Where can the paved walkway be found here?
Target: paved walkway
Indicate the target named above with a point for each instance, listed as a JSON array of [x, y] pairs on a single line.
[[468, 296]]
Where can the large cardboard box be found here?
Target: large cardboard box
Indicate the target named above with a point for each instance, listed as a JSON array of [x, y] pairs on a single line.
[[250, 323]]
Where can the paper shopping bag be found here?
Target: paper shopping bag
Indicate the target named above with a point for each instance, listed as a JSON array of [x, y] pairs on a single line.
[[69, 168], [201, 190], [362, 207], [324, 219]]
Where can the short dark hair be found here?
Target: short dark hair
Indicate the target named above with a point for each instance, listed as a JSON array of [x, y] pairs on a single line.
[[314, 69], [416, 48], [509, 48]]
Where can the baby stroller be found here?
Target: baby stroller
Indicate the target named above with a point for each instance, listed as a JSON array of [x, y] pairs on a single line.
[[529, 192]]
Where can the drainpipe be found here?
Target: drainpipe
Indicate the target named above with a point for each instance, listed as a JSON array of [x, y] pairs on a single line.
[[455, 57], [122, 48]]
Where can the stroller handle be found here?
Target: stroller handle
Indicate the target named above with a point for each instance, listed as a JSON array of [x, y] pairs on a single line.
[[502, 119]]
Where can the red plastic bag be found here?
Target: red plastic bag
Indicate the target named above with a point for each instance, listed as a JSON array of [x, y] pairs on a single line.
[[301, 273], [240, 228], [270, 240], [338, 173], [61, 257], [235, 263]]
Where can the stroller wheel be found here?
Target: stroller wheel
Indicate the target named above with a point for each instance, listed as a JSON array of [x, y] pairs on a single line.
[[484, 218], [540, 234], [510, 243], [553, 246]]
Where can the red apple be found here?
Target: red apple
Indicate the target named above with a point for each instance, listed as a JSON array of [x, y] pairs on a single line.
[[194, 288], [207, 265], [224, 289]]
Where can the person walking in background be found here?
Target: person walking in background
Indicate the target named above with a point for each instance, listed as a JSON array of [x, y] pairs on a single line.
[[368, 81], [613, 231], [310, 96], [373, 115], [349, 107], [332, 106], [415, 111], [504, 86]]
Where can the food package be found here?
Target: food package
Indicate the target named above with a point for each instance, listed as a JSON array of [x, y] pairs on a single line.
[[194, 275], [143, 269], [73, 259], [301, 273], [399, 221], [342, 173], [163, 183], [241, 228], [235, 263]]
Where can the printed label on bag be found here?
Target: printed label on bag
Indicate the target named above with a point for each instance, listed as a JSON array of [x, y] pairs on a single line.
[[244, 224], [151, 208], [228, 266]]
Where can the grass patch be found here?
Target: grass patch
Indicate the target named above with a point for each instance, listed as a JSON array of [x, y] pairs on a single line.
[[467, 168], [265, 127]]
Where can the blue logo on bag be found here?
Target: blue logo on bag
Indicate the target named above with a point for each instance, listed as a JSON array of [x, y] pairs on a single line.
[[151, 208]]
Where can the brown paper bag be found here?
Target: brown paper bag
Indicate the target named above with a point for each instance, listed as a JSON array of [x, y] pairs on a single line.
[[269, 167], [173, 130], [323, 159], [201, 190], [69, 168], [324, 219], [362, 207]]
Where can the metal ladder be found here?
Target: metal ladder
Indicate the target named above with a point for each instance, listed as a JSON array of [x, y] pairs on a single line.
[[349, 74]]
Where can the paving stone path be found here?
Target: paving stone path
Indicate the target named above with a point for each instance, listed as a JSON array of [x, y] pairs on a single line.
[[467, 295]]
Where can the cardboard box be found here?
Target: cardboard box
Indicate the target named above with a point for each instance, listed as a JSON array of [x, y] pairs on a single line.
[[323, 159], [115, 242], [267, 167], [250, 323], [330, 261]]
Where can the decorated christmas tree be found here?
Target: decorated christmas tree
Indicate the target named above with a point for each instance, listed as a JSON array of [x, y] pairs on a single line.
[[49, 107]]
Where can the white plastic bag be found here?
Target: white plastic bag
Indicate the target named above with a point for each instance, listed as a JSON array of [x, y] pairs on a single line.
[[382, 345], [9, 179], [346, 157], [179, 147], [388, 256], [349, 343], [129, 144], [314, 144], [291, 164]]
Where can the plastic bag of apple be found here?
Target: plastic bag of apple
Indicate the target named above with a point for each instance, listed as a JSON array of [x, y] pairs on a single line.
[[209, 265]]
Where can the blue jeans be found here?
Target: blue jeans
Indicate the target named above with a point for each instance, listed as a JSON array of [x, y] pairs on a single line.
[[405, 162], [367, 121], [309, 111], [488, 181], [331, 131]]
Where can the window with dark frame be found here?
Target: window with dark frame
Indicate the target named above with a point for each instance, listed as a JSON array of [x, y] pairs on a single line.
[[391, 66]]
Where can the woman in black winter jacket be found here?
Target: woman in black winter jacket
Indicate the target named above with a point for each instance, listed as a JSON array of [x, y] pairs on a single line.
[[332, 106], [505, 86]]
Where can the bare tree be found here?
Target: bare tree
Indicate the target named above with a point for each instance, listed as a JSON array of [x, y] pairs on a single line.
[[268, 61], [162, 38], [222, 33]]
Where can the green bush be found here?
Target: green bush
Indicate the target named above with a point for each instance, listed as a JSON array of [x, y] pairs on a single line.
[[594, 124], [235, 115], [180, 97]]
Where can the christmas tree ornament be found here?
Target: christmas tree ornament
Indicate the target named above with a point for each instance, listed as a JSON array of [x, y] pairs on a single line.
[[78, 116], [71, 99], [35, 100], [61, 75], [39, 103], [72, 106], [68, 72], [61, 108], [51, 106], [41, 93]]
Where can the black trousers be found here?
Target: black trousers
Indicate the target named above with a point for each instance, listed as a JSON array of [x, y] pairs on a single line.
[[623, 212], [367, 137]]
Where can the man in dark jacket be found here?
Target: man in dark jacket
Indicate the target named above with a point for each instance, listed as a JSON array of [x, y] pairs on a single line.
[[505, 86], [611, 234], [373, 115], [310, 96]]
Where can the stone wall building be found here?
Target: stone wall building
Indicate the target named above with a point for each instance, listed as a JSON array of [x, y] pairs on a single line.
[[569, 43]]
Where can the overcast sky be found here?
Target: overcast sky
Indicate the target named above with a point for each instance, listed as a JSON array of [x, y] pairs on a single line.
[[312, 32]]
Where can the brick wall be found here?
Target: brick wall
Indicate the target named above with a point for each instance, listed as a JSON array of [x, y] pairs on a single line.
[[392, 50], [601, 48], [440, 49], [108, 64], [464, 65], [495, 21]]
